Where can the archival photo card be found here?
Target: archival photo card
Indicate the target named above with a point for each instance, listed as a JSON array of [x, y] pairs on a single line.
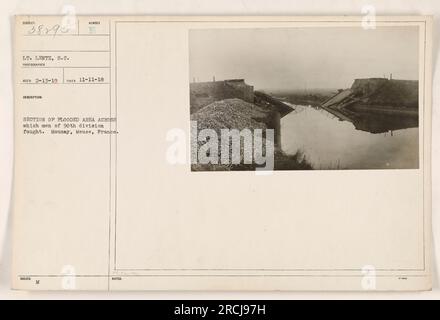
[[304, 98], [121, 121]]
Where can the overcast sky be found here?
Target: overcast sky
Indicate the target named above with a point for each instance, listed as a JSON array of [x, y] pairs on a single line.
[[298, 58]]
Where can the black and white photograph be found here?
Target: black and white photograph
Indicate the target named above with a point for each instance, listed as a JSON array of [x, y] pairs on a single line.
[[329, 98], [125, 127]]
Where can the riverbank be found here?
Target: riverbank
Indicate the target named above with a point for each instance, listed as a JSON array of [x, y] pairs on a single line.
[[238, 114], [377, 105]]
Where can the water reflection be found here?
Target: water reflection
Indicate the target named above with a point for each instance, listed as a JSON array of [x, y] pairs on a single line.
[[379, 123], [329, 143]]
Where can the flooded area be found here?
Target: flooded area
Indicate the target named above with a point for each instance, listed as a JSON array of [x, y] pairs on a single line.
[[329, 143]]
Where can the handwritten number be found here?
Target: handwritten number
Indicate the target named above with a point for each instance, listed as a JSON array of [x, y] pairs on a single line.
[[46, 30]]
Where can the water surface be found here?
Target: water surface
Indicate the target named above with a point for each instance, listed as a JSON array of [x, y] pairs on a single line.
[[328, 143]]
